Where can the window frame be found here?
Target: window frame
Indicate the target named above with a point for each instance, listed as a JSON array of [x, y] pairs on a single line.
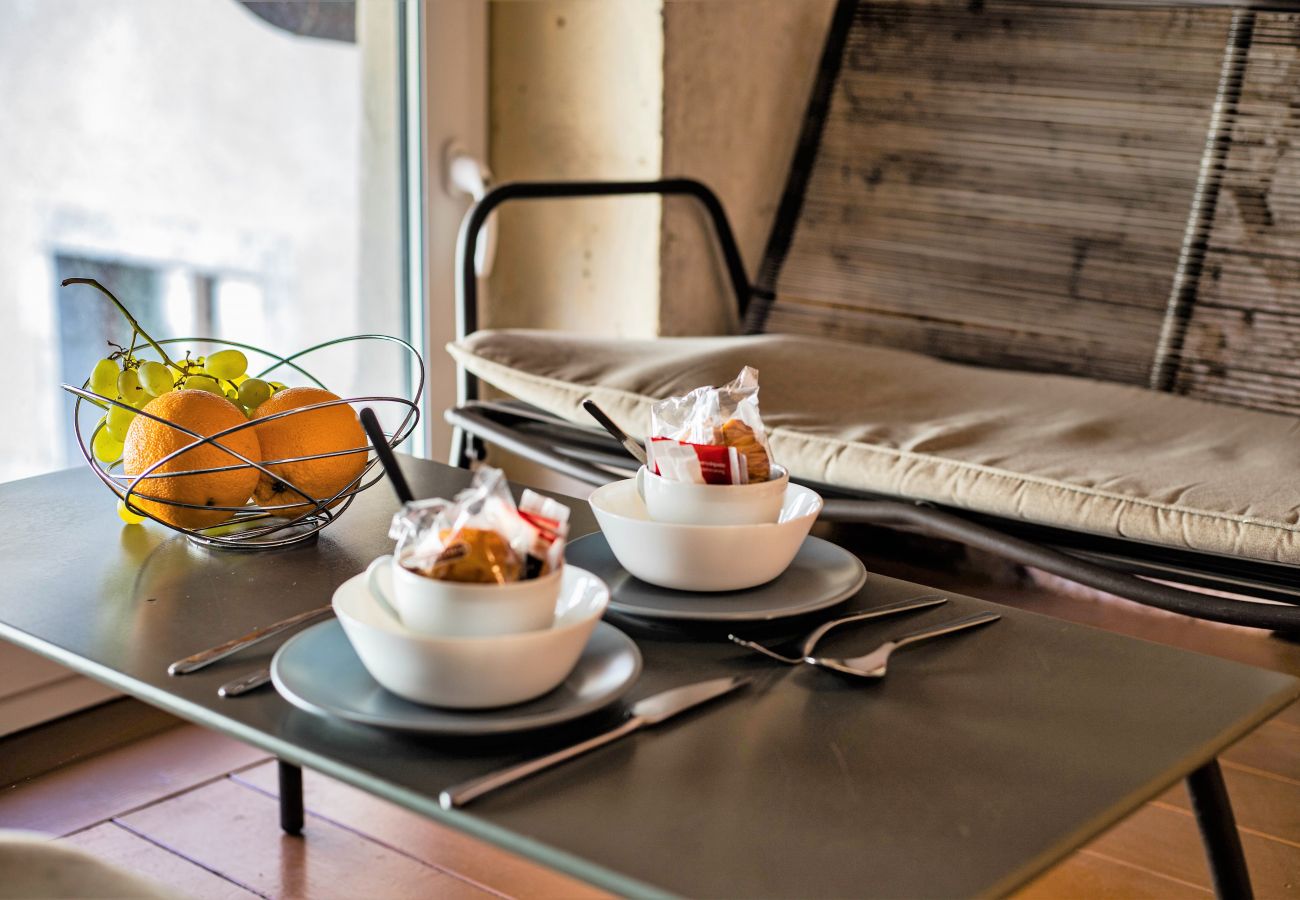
[[447, 107]]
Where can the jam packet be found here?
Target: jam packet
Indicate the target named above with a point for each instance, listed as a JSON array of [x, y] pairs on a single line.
[[711, 435], [481, 536]]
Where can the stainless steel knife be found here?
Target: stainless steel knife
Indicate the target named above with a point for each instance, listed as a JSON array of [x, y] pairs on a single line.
[[644, 714]]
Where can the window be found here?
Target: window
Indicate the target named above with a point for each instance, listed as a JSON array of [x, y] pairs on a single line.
[[227, 168]]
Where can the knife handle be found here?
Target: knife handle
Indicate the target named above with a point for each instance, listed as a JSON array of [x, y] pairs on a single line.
[[460, 794]]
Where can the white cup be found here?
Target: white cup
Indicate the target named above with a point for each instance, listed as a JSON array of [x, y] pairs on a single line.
[[460, 609], [686, 503]]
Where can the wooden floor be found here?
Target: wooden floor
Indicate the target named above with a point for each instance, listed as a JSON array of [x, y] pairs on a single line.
[[198, 812]]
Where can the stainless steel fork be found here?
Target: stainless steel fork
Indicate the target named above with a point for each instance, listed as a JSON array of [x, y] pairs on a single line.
[[873, 664], [922, 602]]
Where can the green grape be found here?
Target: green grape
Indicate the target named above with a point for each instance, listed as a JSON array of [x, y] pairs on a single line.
[[239, 379], [200, 382], [277, 386], [254, 392], [232, 396], [103, 378], [227, 364], [126, 515], [128, 386], [155, 377], [118, 421], [105, 446]]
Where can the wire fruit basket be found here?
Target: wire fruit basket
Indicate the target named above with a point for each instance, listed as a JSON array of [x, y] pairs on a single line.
[[250, 526]]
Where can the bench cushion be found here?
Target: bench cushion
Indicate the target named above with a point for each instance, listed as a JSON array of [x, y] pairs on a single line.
[[1054, 450]]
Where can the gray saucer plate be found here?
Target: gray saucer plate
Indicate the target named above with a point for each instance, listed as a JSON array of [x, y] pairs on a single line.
[[319, 671], [821, 575]]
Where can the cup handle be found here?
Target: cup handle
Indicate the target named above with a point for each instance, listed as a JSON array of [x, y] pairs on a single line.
[[372, 579]]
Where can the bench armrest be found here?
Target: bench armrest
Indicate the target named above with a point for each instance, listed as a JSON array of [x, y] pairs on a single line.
[[477, 216]]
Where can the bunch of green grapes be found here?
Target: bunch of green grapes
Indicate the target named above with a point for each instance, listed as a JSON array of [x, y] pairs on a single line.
[[132, 381]]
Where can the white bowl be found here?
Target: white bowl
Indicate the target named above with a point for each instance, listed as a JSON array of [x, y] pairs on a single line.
[[473, 672], [686, 503], [461, 609], [702, 557]]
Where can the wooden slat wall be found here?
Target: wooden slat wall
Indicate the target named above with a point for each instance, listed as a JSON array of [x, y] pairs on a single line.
[[1244, 331], [1006, 184]]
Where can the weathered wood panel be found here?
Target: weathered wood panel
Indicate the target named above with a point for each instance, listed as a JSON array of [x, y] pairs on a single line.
[[1005, 184], [1243, 337]]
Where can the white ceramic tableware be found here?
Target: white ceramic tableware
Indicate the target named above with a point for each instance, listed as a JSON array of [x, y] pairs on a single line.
[[712, 504], [473, 672], [702, 557], [458, 609]]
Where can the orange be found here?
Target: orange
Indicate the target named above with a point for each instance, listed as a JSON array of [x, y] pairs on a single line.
[[148, 441], [308, 434]]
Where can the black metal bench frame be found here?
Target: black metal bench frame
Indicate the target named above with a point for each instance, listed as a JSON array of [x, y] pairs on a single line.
[[1103, 562], [589, 455]]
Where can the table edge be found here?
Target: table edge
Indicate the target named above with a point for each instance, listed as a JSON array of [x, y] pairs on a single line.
[[533, 850]]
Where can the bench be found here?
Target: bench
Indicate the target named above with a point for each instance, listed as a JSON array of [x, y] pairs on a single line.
[[1033, 284]]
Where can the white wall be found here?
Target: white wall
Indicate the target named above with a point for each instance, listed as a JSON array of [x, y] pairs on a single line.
[[169, 133], [576, 93]]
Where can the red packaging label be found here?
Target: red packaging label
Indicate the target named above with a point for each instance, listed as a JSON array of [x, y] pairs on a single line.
[[716, 462]]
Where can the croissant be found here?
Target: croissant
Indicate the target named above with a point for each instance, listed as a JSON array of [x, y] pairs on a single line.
[[476, 555], [736, 433]]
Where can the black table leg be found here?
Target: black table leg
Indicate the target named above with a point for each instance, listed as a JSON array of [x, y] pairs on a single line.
[[291, 797], [1219, 832]]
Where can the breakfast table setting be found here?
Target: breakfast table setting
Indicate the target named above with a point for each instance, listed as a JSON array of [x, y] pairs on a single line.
[[674, 687]]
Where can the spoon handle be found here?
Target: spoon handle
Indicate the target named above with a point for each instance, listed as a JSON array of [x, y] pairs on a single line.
[[619, 434], [244, 684], [385, 454]]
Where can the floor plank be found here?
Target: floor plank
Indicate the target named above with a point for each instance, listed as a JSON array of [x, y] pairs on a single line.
[[1097, 877], [234, 830], [1263, 804], [96, 789], [44, 748], [1166, 840], [113, 843], [425, 839], [1273, 747]]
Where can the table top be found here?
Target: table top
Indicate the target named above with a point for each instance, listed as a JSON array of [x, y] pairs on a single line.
[[980, 760]]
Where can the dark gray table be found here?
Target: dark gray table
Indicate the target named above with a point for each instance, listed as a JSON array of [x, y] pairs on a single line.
[[978, 763]]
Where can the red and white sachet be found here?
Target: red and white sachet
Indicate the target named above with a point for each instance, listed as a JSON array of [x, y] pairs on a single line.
[[710, 435]]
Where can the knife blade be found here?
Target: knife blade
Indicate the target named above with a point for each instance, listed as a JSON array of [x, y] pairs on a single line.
[[645, 713]]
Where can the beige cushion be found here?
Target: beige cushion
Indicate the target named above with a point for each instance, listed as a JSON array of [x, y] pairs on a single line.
[[1079, 454]]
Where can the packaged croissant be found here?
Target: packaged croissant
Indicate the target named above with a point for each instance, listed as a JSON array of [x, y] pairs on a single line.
[[481, 536], [712, 435]]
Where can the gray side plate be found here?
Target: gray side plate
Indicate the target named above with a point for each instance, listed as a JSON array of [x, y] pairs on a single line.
[[821, 575]]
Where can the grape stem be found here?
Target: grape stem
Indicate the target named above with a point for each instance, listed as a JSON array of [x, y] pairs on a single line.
[[126, 312]]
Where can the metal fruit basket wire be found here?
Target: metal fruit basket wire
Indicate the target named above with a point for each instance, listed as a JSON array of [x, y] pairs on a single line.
[[249, 526]]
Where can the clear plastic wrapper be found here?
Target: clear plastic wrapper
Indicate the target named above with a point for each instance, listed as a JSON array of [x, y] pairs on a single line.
[[480, 536], [720, 426]]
